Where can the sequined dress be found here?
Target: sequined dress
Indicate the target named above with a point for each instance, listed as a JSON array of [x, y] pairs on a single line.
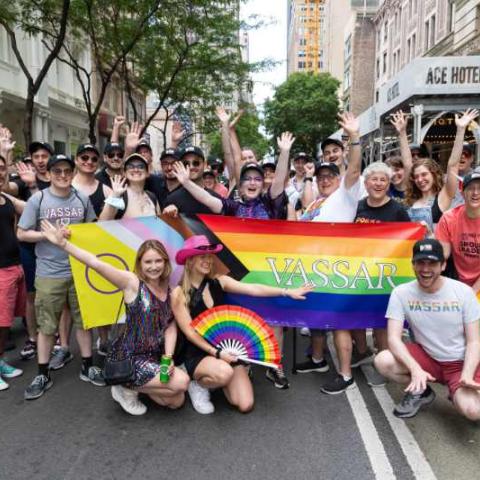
[[143, 337]]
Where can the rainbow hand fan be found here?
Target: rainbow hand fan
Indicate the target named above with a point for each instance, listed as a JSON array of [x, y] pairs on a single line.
[[241, 332]]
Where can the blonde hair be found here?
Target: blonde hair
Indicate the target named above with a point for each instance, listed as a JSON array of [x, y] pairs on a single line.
[[160, 249], [186, 282]]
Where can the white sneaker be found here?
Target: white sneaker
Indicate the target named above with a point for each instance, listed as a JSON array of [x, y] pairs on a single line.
[[200, 398], [128, 400], [3, 384]]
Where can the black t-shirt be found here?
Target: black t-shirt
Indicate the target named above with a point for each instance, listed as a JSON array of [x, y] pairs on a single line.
[[9, 250], [103, 177], [392, 211], [158, 186], [186, 204], [24, 192]]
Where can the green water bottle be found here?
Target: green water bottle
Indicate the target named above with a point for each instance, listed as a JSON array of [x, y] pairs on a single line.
[[165, 363]]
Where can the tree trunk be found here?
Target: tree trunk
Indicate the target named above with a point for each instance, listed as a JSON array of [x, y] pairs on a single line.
[[92, 134], [28, 119]]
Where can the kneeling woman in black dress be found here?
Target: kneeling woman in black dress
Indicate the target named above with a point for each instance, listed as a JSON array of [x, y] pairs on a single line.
[[200, 290]]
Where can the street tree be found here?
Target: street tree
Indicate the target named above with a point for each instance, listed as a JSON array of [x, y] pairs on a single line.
[[306, 104], [44, 19]]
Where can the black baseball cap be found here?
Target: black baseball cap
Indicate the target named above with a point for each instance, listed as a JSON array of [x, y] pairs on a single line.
[[332, 141], [428, 249], [169, 152], [470, 177], [269, 164], [303, 155], [207, 173], [214, 161], [135, 156], [52, 161], [110, 147], [251, 166], [194, 150], [84, 147], [468, 147], [331, 166], [143, 143], [34, 146]]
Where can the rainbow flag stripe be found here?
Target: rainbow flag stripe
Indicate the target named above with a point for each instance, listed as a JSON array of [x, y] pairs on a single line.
[[354, 267]]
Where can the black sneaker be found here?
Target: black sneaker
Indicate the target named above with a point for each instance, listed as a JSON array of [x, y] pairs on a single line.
[[411, 403], [38, 387], [361, 358], [29, 350], [338, 385], [278, 378], [311, 366]]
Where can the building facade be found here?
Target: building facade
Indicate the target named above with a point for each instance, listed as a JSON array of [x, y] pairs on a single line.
[[305, 35]]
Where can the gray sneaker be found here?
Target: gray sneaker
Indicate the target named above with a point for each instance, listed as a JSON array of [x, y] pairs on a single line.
[[361, 358], [38, 387], [411, 403], [60, 357], [94, 376]]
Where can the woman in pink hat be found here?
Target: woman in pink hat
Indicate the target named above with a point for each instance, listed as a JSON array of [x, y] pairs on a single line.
[[200, 290]]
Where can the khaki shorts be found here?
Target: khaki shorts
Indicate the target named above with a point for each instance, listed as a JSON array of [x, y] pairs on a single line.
[[52, 295]]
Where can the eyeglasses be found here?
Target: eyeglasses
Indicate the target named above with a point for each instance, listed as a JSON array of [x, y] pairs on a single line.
[[135, 166], [193, 163], [327, 176], [166, 163], [253, 179], [206, 247], [86, 158], [115, 154], [62, 171]]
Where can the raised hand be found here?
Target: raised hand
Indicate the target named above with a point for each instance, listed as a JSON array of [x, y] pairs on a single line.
[[181, 172], [119, 186], [222, 115], [177, 133], [118, 121], [235, 120], [399, 121], [285, 141], [27, 174], [467, 116], [53, 234], [301, 292], [309, 169], [133, 137], [6, 142], [349, 123]]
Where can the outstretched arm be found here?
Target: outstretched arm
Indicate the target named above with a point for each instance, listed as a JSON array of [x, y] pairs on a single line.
[[284, 142], [231, 285], [236, 149], [400, 122], [126, 281], [118, 121], [226, 147], [450, 188], [351, 126], [199, 193]]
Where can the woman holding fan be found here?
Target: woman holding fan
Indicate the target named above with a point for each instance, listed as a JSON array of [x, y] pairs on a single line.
[[150, 330], [200, 289]]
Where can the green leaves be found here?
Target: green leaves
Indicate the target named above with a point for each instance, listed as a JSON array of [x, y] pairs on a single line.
[[306, 105]]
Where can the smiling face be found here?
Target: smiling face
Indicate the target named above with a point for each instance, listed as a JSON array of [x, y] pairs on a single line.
[[136, 171], [146, 153], [251, 184], [472, 195], [87, 162], [61, 175], [196, 165], [466, 161], [332, 153], [299, 166], [114, 160], [428, 273], [377, 184], [167, 167], [209, 181], [327, 182], [152, 266], [248, 156], [202, 264], [40, 159], [423, 178]]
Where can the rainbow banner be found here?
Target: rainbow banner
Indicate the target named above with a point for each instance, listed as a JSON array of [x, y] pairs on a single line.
[[115, 242], [354, 267]]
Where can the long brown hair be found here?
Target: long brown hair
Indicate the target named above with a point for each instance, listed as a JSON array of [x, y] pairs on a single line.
[[160, 249], [186, 281], [413, 193]]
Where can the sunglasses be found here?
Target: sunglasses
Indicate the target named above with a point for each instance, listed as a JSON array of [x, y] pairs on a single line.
[[115, 154], [206, 248], [193, 163], [62, 171], [135, 166], [86, 158]]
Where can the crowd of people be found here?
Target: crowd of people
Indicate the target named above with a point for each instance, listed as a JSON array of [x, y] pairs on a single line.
[[46, 192]]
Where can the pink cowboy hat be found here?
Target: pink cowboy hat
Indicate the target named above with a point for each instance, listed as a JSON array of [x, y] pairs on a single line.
[[196, 245]]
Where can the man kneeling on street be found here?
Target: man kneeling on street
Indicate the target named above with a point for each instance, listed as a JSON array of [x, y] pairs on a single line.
[[443, 315]]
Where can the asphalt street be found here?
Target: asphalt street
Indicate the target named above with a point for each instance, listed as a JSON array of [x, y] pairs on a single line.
[[76, 431]]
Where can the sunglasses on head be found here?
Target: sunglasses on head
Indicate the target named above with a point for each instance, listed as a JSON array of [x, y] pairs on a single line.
[[86, 158], [193, 163], [115, 154], [207, 247]]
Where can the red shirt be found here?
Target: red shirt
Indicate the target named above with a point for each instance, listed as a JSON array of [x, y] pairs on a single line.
[[463, 234]]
